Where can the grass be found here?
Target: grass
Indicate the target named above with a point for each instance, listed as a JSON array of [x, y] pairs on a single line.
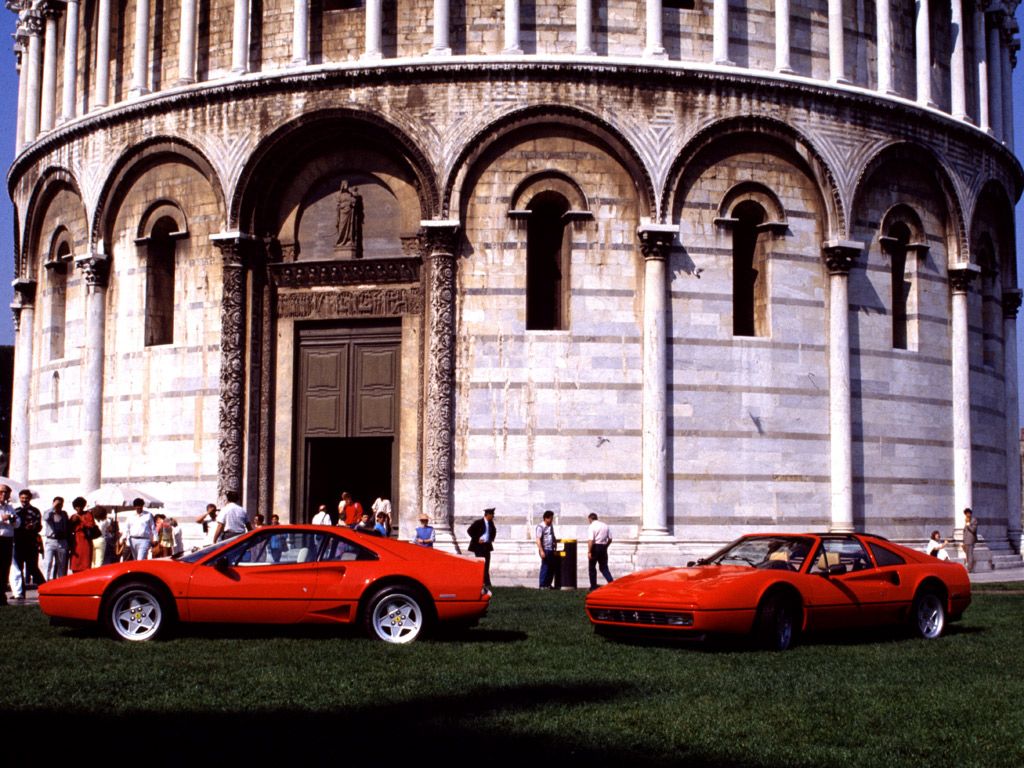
[[531, 683]]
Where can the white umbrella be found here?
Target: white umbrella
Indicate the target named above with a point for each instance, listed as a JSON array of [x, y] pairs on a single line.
[[120, 496], [16, 486]]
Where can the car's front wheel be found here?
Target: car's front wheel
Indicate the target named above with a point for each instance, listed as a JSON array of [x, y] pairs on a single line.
[[928, 615], [396, 615], [775, 628], [136, 611]]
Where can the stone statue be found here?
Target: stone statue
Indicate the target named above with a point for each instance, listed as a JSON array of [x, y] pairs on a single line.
[[350, 221]]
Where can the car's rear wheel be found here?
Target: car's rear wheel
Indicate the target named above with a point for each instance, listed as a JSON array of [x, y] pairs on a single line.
[[928, 615], [136, 611], [396, 615], [775, 628]]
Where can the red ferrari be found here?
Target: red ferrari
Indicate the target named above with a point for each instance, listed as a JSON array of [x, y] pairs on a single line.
[[279, 575], [775, 586]]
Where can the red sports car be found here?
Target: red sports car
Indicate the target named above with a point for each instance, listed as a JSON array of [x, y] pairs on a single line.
[[279, 575], [775, 586]]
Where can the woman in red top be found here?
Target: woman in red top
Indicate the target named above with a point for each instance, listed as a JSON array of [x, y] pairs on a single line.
[[83, 531]]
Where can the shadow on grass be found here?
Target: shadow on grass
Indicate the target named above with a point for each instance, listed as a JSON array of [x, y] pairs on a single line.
[[307, 632], [486, 724], [732, 644]]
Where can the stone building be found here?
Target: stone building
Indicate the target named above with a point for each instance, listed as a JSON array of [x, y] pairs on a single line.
[[699, 266]]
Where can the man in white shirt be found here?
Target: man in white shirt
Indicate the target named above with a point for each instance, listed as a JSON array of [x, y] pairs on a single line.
[[322, 516], [140, 530], [598, 539], [7, 521], [233, 520]]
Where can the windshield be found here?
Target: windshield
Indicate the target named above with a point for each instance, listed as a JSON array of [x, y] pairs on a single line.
[[780, 552], [199, 553]]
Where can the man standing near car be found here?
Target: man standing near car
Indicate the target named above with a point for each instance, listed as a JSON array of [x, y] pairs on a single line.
[[598, 539], [482, 533], [140, 530], [233, 520], [547, 548], [7, 521], [56, 538], [970, 538], [26, 545]]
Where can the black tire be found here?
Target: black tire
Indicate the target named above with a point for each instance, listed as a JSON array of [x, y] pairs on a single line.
[[776, 625], [137, 612], [396, 615], [928, 614]]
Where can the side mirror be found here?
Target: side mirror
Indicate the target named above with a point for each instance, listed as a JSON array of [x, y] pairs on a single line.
[[691, 564], [221, 564]]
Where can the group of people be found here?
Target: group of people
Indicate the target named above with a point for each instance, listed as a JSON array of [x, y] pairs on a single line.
[[350, 513], [936, 546], [483, 531]]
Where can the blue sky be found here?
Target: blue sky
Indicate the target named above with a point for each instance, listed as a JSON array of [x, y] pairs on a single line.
[[9, 108]]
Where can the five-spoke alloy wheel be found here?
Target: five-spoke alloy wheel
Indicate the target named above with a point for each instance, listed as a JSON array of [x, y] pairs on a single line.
[[928, 616], [136, 612], [775, 628], [395, 615]]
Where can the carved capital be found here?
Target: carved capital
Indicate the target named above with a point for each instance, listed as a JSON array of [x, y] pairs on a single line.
[[438, 238], [33, 22], [1011, 303], [839, 255], [656, 240], [961, 277], [96, 269], [50, 9], [237, 249]]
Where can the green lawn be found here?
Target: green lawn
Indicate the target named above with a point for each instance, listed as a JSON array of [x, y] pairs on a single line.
[[532, 683]]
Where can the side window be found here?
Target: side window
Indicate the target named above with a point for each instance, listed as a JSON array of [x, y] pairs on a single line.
[[339, 549], [883, 556], [548, 246], [276, 549], [848, 554]]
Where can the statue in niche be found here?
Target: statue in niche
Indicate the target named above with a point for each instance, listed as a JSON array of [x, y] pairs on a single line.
[[350, 222]]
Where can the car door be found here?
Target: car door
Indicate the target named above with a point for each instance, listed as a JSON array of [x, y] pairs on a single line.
[[269, 578], [346, 568], [844, 588]]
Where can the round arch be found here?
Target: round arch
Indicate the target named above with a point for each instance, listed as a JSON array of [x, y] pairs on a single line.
[[304, 138], [993, 217], [133, 163], [571, 118], [53, 180], [728, 129], [956, 239]]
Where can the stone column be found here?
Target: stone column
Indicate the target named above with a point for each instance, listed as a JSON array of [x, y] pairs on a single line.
[[187, 43], [48, 105], [839, 258], [923, 45], [96, 268], [836, 43], [957, 63], [234, 248], [33, 82], [102, 54], [655, 244], [782, 41], [68, 110], [995, 75], [1007, 63], [1011, 304], [21, 61], [981, 64], [584, 27], [300, 30], [960, 279], [439, 241], [883, 45], [240, 38], [655, 45], [719, 32], [140, 59], [512, 27], [441, 46], [23, 308], [374, 30]]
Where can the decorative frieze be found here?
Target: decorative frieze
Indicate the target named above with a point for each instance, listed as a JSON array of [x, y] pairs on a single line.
[[309, 274], [332, 305]]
